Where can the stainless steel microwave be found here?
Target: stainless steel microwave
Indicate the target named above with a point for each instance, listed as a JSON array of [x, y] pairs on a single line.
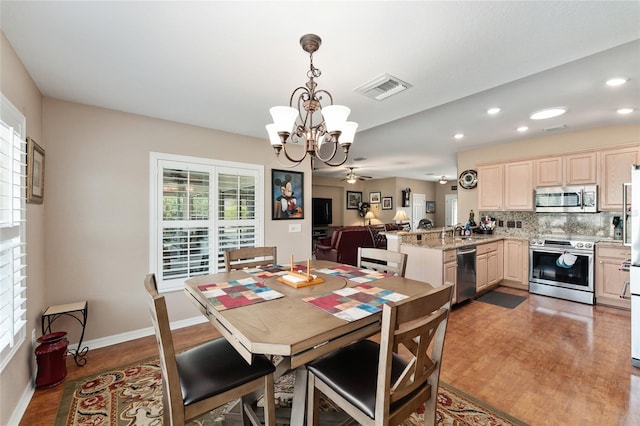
[[567, 199]]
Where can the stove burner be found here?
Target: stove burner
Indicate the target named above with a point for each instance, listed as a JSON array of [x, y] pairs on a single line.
[[570, 243]]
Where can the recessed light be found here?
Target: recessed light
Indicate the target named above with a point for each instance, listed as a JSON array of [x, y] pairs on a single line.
[[618, 81], [492, 111], [548, 113], [459, 135], [624, 111], [522, 129]]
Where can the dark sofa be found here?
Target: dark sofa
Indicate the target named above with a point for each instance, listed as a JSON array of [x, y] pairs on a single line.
[[342, 245]]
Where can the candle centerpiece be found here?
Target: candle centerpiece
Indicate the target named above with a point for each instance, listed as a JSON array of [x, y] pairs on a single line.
[[299, 279]]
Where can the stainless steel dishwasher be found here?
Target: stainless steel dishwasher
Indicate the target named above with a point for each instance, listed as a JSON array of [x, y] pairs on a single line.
[[465, 273]]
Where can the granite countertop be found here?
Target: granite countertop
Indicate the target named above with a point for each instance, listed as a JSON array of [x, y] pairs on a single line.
[[453, 243]]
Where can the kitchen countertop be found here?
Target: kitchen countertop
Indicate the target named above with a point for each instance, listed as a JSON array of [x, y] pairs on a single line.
[[454, 243]]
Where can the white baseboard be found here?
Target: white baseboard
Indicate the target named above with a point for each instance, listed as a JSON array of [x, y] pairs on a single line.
[[27, 394]]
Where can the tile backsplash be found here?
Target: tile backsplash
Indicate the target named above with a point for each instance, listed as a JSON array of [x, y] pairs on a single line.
[[531, 223]]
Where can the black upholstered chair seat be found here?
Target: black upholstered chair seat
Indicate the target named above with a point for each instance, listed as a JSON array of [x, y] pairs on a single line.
[[215, 367], [352, 372]]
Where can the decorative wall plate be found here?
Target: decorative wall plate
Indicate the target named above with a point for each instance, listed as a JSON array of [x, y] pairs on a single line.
[[468, 179]]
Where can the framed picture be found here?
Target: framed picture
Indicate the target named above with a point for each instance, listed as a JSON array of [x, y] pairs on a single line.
[[431, 207], [374, 198], [287, 189], [387, 203], [354, 198], [35, 172]]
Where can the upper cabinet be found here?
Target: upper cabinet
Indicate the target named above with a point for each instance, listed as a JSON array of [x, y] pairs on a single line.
[[615, 169], [581, 169], [507, 186], [572, 169], [490, 187], [518, 185]]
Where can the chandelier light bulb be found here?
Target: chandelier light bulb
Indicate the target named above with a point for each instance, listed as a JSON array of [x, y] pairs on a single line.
[[312, 124]]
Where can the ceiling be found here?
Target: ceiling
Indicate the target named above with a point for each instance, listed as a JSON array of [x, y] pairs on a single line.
[[222, 65]]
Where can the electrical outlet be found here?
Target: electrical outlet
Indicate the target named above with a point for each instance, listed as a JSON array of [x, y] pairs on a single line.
[[518, 224], [501, 223], [511, 224]]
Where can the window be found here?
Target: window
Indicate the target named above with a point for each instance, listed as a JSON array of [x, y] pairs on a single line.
[[201, 208], [13, 287]]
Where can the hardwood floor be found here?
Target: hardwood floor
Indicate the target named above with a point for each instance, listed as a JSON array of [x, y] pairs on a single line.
[[546, 362]]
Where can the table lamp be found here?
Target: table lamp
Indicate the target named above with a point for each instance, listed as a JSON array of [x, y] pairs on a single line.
[[369, 216], [401, 215]]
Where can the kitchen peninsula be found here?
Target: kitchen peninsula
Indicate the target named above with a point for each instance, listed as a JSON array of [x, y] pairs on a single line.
[[500, 259]]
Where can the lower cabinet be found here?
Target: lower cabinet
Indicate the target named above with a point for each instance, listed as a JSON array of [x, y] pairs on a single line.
[[516, 264], [449, 270], [610, 280], [487, 263]]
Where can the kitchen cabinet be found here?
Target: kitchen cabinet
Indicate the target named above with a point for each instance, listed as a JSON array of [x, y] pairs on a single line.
[[581, 168], [549, 171], [615, 169], [518, 185], [487, 274], [610, 280], [516, 264], [490, 183], [507, 186], [428, 264], [449, 269], [571, 169]]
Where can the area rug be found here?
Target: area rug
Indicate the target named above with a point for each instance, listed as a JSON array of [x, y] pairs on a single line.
[[132, 395], [498, 298]]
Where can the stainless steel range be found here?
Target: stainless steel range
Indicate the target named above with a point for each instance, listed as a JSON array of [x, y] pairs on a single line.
[[562, 267]]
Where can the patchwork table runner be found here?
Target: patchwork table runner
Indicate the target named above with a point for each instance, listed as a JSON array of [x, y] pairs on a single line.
[[236, 293], [353, 273], [353, 303]]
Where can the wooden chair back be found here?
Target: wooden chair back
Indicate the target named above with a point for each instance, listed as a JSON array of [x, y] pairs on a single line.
[[381, 260], [419, 325], [172, 393], [249, 257]]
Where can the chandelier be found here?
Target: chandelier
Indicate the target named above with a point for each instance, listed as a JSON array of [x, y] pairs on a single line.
[[310, 122]]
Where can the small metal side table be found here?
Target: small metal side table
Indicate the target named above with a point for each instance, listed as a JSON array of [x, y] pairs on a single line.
[[76, 310]]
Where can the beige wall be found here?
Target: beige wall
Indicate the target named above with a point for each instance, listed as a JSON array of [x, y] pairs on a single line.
[[536, 147], [19, 88], [97, 222]]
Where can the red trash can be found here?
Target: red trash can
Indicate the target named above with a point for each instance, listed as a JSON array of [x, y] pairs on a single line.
[[51, 354]]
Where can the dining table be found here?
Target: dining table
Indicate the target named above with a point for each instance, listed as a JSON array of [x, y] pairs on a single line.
[[261, 314]]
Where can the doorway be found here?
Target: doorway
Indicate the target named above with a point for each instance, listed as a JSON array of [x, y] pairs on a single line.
[[418, 209], [451, 209]]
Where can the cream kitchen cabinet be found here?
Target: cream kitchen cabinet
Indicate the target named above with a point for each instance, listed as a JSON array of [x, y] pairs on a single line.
[[615, 169], [516, 264], [490, 187], [610, 280], [507, 186], [571, 169], [487, 262], [449, 269]]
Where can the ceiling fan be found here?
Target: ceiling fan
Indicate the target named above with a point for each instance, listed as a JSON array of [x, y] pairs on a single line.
[[352, 177]]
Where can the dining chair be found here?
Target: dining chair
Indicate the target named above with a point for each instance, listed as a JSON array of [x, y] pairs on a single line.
[[249, 257], [382, 260], [377, 386], [207, 376]]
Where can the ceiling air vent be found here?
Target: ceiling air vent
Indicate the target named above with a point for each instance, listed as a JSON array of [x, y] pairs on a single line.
[[382, 87]]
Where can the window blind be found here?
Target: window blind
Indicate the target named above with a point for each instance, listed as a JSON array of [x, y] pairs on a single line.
[[203, 208], [13, 287]]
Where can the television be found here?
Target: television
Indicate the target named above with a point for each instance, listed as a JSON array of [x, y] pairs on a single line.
[[321, 213]]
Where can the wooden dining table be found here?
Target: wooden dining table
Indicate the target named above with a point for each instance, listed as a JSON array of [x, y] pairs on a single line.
[[290, 327]]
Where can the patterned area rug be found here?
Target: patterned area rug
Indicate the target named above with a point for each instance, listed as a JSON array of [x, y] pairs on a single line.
[[132, 395]]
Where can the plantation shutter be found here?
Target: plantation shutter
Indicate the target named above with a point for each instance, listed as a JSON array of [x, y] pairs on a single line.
[[237, 223], [200, 208], [13, 288]]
